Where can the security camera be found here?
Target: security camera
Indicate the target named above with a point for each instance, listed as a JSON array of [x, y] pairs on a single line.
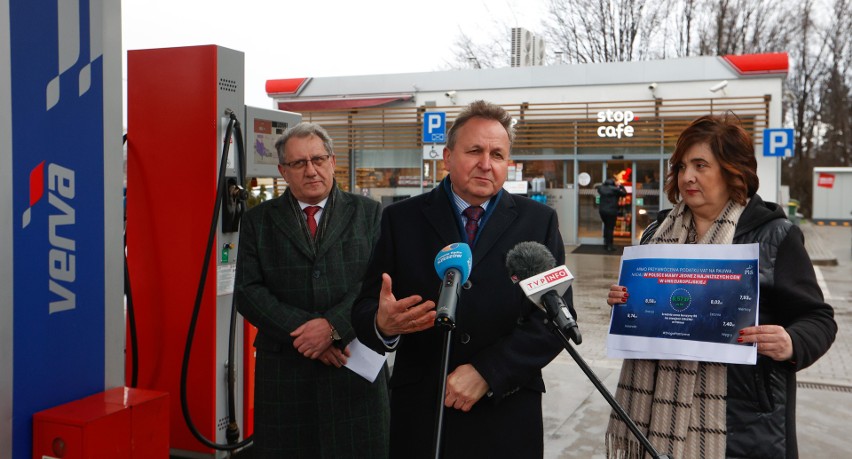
[[450, 94], [719, 86], [652, 86]]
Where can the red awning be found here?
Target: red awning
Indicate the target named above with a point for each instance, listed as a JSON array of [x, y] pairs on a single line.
[[286, 86], [757, 64], [338, 104]]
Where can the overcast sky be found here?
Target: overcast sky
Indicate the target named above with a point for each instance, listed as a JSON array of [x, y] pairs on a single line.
[[315, 38]]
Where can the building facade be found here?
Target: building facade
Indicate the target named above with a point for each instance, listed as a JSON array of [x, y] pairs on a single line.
[[577, 125]]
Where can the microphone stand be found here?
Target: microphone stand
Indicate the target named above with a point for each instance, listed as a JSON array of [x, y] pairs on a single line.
[[445, 363], [603, 390]]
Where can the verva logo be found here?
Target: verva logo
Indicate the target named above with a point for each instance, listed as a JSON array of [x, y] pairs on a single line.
[[62, 259]]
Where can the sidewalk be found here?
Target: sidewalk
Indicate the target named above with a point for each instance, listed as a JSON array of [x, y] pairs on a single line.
[[576, 414]]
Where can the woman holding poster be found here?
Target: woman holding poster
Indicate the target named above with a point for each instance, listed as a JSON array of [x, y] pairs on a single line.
[[712, 410]]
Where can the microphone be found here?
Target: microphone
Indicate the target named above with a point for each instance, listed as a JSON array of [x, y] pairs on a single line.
[[532, 265], [453, 265]]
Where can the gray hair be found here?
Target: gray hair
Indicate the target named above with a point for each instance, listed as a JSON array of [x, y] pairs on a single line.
[[301, 130], [481, 109]]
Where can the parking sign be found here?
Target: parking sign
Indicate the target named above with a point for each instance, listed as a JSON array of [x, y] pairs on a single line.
[[434, 127], [778, 142]]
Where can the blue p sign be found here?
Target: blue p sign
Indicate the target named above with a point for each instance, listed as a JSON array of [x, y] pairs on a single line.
[[778, 142], [434, 127]]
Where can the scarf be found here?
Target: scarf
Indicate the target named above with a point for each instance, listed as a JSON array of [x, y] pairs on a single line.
[[679, 405]]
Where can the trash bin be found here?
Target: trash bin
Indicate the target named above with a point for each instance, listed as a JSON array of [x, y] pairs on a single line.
[[793, 211]]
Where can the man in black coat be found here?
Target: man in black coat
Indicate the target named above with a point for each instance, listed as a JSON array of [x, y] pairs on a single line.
[[609, 193], [494, 386]]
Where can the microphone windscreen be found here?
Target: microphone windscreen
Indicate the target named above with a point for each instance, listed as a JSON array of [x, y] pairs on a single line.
[[456, 256], [529, 258]]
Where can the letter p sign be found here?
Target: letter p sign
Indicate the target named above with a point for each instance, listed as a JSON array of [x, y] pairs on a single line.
[[434, 127], [778, 142]]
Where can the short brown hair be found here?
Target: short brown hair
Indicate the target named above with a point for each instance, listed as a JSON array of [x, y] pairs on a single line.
[[481, 109], [731, 146]]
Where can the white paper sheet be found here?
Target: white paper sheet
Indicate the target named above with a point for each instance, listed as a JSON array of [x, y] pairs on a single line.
[[364, 361]]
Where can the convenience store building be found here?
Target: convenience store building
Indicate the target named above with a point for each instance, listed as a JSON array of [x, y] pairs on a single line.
[[576, 126]]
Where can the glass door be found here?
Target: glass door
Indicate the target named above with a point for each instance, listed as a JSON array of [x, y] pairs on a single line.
[[591, 174], [589, 226], [647, 195]]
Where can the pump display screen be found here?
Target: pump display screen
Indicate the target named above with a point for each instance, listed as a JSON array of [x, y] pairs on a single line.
[[264, 127]]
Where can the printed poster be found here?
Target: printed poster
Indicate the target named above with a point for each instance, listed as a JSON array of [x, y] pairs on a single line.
[[686, 302]]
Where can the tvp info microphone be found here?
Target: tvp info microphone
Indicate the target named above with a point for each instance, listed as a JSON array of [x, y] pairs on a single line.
[[453, 265], [532, 266]]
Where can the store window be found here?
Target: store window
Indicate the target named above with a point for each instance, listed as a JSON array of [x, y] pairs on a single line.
[[388, 175], [557, 173]]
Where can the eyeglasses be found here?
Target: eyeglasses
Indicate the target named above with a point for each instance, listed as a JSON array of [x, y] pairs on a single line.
[[317, 161]]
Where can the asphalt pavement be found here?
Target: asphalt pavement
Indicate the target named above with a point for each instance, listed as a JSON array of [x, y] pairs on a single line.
[[576, 414]]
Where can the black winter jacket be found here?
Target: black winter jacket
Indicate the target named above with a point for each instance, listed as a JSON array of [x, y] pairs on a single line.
[[761, 402], [610, 193]]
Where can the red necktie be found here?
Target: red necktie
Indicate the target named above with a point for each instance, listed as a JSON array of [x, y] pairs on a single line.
[[310, 211], [472, 213]]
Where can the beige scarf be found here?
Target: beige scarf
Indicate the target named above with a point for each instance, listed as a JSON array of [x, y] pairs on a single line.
[[678, 404]]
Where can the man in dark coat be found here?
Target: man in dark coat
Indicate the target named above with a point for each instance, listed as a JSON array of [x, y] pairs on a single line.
[[609, 193], [493, 397], [301, 260]]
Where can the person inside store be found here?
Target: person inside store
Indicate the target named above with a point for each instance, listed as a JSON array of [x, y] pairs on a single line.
[[651, 185], [727, 410], [500, 343], [300, 265], [610, 194]]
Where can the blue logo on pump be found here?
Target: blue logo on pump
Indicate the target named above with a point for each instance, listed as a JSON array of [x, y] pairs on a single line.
[[56, 82], [62, 257]]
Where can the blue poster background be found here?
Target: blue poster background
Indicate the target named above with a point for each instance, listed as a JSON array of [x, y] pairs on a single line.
[[688, 299]]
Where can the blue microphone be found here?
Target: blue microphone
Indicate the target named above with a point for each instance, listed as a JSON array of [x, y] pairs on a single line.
[[453, 265]]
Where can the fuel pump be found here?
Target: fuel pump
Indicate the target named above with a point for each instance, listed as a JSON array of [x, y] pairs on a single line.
[[186, 194]]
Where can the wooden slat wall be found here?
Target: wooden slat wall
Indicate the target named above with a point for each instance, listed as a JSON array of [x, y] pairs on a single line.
[[551, 125]]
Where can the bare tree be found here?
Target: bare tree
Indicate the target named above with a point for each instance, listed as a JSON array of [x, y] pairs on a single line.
[[816, 34], [605, 30], [493, 53], [835, 113]]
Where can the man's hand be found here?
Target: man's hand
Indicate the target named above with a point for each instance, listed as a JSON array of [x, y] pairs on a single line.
[[403, 316], [312, 338], [335, 356], [465, 386], [772, 341]]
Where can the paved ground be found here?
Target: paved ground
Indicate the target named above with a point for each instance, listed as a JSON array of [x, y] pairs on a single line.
[[575, 414]]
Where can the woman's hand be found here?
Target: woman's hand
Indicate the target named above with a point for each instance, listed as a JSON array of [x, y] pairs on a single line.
[[617, 295], [772, 341]]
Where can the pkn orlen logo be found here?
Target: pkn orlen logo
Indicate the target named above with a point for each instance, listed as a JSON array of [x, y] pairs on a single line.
[[62, 259]]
